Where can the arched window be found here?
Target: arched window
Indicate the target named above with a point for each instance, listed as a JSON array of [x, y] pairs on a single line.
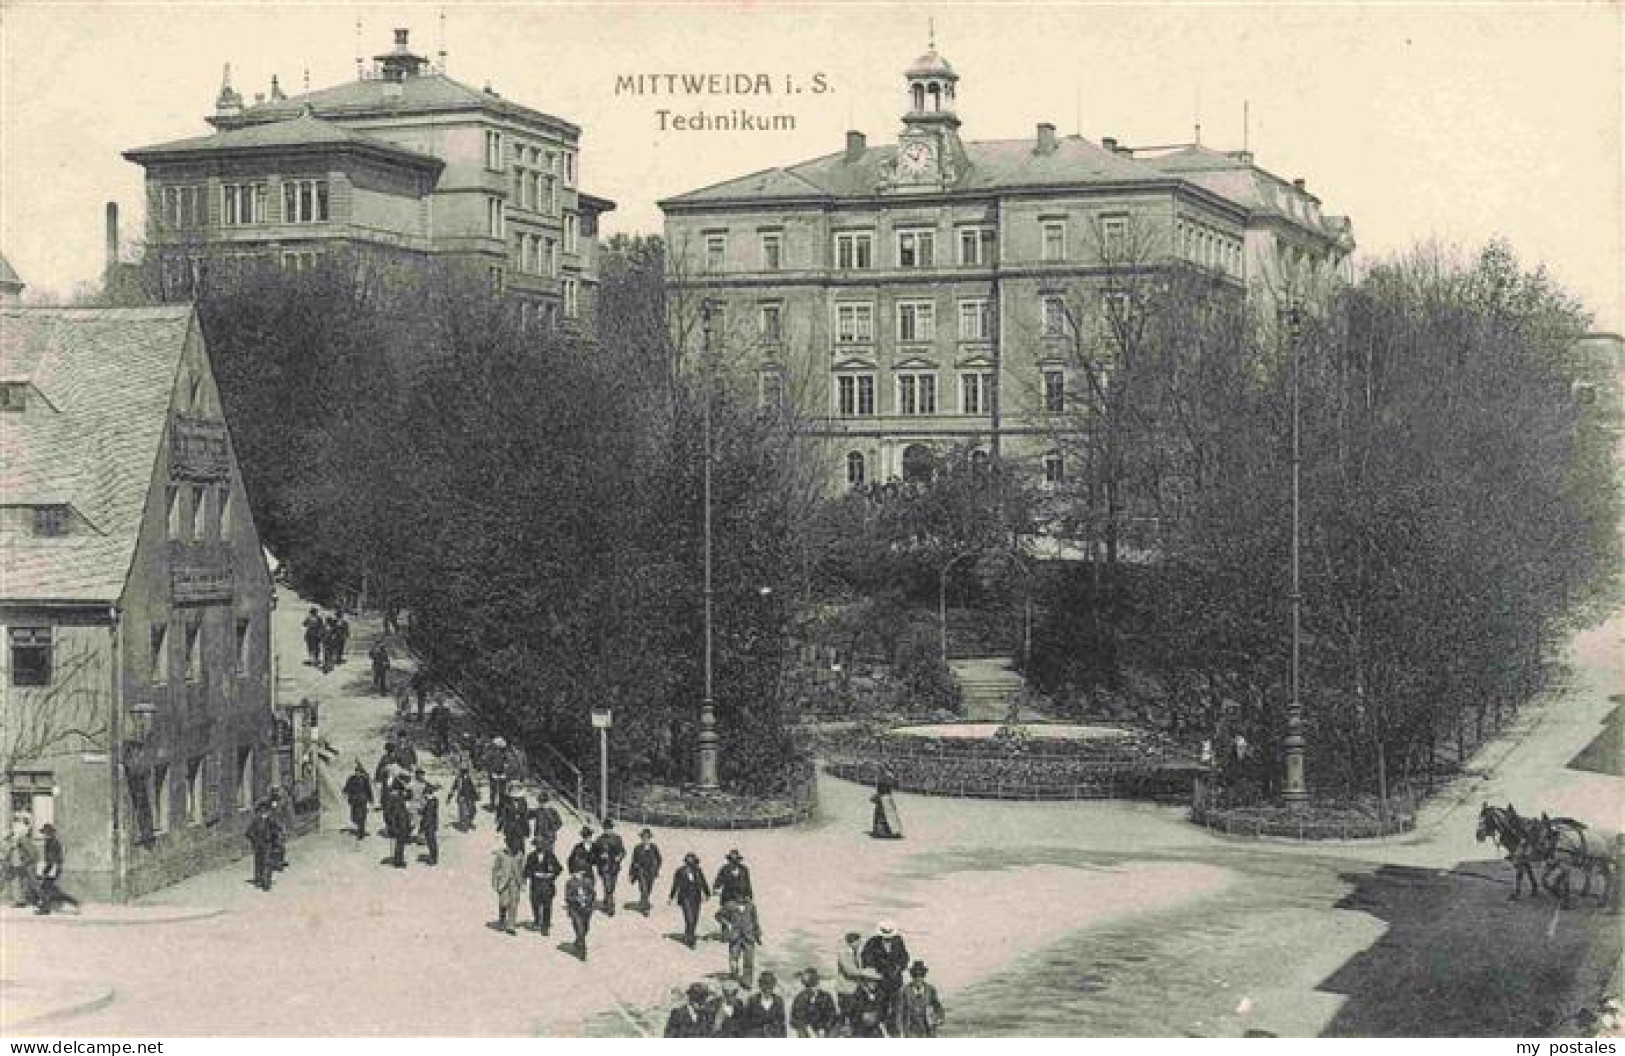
[[918, 464], [919, 97], [936, 96], [855, 469]]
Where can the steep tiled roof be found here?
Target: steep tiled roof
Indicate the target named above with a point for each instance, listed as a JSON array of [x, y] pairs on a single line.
[[417, 94], [108, 375], [303, 130]]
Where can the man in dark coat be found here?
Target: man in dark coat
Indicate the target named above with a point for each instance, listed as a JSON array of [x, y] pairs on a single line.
[[516, 821], [919, 1010], [467, 797], [282, 816], [733, 880], [440, 726], [866, 1013], [579, 899], [50, 880], [886, 956], [542, 869], [765, 1012], [330, 643], [645, 867], [689, 890], [547, 822], [315, 629], [728, 1016], [608, 851], [692, 1019], [358, 793], [341, 636], [813, 1013], [400, 828], [496, 769], [260, 839], [581, 854], [379, 653], [429, 824]]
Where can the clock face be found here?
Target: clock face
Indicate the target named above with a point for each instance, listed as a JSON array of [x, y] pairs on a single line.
[[915, 159]]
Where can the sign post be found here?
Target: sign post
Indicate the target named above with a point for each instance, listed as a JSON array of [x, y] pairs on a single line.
[[602, 719]]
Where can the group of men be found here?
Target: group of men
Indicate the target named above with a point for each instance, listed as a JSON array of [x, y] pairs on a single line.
[[33, 874], [325, 638], [268, 837], [408, 803]]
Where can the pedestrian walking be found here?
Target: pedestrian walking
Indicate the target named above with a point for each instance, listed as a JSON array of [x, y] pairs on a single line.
[[315, 631], [689, 890], [733, 880], [645, 868], [505, 879], [728, 1016], [341, 636], [886, 955], [580, 858], [282, 816], [542, 869], [849, 973], [579, 899], [742, 931], [429, 825], [379, 654], [919, 1010], [765, 1012], [330, 644], [22, 863], [400, 824], [608, 851], [260, 839], [547, 821], [867, 1018], [516, 820], [440, 726], [420, 691], [887, 825], [496, 769], [813, 1013], [50, 888], [467, 797], [358, 793], [692, 1019]]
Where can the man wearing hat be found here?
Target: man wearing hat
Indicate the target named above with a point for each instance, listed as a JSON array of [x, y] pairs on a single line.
[[547, 821], [692, 1019], [579, 900], [849, 972], [429, 824], [765, 1011], [580, 858], [400, 824], [496, 767], [505, 868], [887, 956], [542, 869], [608, 851], [919, 1012], [729, 1018], [22, 862], [50, 890], [689, 890], [645, 867], [467, 797], [259, 838], [515, 824], [866, 1015], [812, 1013], [358, 793], [733, 879]]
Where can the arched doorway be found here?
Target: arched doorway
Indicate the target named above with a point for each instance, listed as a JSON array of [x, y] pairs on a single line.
[[919, 464]]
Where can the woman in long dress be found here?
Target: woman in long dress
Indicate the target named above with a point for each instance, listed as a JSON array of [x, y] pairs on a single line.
[[887, 825]]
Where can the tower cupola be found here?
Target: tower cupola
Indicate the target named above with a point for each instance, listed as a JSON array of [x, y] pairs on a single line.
[[399, 64], [932, 87]]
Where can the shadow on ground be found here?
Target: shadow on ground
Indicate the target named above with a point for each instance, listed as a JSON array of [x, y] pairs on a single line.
[[1460, 960], [1606, 752]]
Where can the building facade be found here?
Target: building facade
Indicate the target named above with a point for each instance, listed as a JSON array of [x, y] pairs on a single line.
[[135, 602], [403, 166], [914, 296]]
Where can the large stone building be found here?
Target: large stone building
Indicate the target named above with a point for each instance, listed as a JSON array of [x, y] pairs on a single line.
[[402, 165], [917, 295], [136, 708]]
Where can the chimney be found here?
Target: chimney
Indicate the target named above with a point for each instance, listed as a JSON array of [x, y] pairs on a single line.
[[1297, 184], [276, 90], [400, 41], [112, 236], [856, 145], [1109, 143], [1046, 138]]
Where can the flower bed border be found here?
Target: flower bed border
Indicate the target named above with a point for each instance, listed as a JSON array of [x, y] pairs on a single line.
[[1119, 783], [1233, 822], [800, 804]]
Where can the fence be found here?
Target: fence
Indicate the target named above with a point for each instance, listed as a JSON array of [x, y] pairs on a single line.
[[724, 811], [1015, 775], [1312, 823]]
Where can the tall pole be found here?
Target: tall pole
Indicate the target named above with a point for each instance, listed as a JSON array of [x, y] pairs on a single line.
[[1292, 788], [708, 714], [603, 772]]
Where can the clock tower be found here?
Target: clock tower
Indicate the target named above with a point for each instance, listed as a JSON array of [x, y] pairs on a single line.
[[929, 154]]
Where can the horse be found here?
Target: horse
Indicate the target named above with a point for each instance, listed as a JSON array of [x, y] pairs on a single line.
[[1565, 844], [1519, 838]]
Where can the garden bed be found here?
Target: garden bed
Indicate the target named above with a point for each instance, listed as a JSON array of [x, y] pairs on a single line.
[[688, 807], [1312, 821]]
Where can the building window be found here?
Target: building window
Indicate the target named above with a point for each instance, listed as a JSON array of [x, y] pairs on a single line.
[[493, 150], [533, 190], [854, 322], [245, 778], [572, 299], [200, 514], [976, 246], [298, 263], [493, 217], [976, 393], [158, 653], [172, 504], [1054, 469], [160, 798], [1055, 240], [245, 646], [569, 169], [770, 318], [1114, 237], [183, 207], [854, 250], [855, 395], [31, 656], [196, 774], [304, 201], [552, 258], [772, 392], [973, 320], [1054, 391], [522, 253], [916, 321], [572, 233], [242, 203], [227, 515], [916, 249], [856, 471], [772, 251], [13, 396], [194, 651], [716, 251], [916, 394], [51, 521], [495, 280], [1055, 319]]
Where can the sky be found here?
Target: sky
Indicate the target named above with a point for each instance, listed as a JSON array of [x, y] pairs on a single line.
[[1451, 123]]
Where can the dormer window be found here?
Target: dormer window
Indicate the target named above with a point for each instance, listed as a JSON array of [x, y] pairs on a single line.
[[51, 521]]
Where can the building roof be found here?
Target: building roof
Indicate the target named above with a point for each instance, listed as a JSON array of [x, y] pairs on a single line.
[[107, 376], [303, 129], [931, 65], [422, 93], [8, 274]]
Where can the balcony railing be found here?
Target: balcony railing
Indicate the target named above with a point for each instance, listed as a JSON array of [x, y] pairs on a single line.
[[198, 580], [199, 449]]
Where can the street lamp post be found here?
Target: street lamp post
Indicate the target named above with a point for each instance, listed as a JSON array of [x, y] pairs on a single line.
[[1293, 789], [708, 714]]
